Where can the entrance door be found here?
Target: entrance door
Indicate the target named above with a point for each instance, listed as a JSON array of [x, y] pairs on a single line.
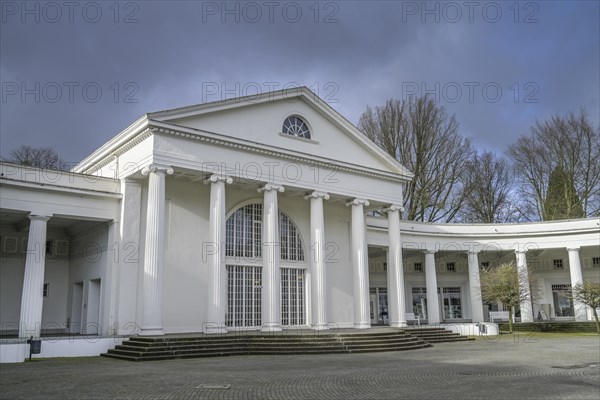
[[244, 291], [452, 303], [292, 297], [92, 323], [419, 302], [379, 306], [563, 302], [76, 308]]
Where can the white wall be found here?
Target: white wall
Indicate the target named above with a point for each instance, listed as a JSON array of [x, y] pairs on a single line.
[[88, 262], [185, 270]]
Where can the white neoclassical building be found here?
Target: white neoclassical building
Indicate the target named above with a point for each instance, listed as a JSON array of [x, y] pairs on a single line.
[[251, 213]]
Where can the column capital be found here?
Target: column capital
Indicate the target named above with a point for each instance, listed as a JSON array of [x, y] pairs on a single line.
[[473, 251], [158, 168], [271, 186], [521, 251], [573, 248], [429, 251], [37, 217], [393, 207], [214, 178], [357, 202], [316, 195]]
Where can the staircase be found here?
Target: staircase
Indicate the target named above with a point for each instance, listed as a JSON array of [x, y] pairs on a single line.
[[166, 347], [380, 341], [345, 341], [437, 335]]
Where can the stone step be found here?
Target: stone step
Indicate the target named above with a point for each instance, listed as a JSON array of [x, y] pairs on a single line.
[[173, 347], [449, 339], [383, 349]]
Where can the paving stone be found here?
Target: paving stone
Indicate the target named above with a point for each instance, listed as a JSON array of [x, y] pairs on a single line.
[[508, 367]]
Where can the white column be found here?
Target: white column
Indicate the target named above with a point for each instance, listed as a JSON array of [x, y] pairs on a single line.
[[154, 250], [475, 287], [433, 307], [576, 278], [526, 309], [217, 280], [271, 276], [395, 270], [32, 299], [317, 262], [360, 266]]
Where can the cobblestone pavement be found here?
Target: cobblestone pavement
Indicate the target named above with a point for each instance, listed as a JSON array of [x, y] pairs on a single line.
[[512, 367]]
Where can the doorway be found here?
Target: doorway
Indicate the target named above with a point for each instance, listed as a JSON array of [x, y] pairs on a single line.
[[92, 322], [378, 300], [76, 308]]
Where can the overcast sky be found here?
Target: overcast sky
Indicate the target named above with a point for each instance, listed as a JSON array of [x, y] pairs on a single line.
[[75, 74]]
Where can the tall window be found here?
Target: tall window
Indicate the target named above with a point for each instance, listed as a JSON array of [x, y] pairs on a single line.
[[563, 302], [244, 290], [292, 296], [419, 301], [243, 249], [452, 303], [296, 126]]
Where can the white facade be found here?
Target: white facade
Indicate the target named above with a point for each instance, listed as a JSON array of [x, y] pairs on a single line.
[[211, 218]]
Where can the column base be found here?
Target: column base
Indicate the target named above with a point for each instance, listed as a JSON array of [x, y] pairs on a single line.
[[151, 332], [214, 330], [399, 324], [362, 325], [319, 327], [271, 327]]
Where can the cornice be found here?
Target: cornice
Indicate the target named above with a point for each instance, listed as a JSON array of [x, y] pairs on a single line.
[[108, 158], [57, 188], [240, 144]]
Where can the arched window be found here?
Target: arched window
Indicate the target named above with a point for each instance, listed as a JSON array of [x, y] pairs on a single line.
[[244, 235], [296, 126], [244, 277]]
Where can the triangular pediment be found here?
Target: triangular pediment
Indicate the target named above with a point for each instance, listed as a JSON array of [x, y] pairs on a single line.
[[259, 119]]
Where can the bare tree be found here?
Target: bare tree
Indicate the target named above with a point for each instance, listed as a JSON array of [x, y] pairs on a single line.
[[569, 143], [490, 200], [423, 138], [39, 157], [507, 285], [588, 293]]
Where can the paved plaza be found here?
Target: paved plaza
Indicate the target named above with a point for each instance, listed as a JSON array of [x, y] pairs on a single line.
[[543, 366]]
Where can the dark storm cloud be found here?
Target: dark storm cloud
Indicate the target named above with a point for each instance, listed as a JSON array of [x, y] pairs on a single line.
[[543, 56]]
